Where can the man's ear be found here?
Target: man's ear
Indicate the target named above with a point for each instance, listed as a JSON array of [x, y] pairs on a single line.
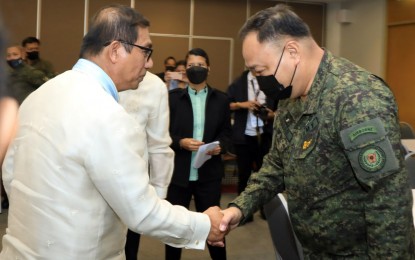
[[294, 50], [114, 51]]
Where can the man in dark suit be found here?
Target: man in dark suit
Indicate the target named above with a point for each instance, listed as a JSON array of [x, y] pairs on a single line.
[[252, 127], [199, 115]]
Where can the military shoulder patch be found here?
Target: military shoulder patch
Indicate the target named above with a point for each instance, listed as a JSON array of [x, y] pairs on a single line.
[[372, 158]]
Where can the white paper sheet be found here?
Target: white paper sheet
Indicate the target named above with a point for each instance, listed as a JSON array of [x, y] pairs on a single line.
[[201, 156]]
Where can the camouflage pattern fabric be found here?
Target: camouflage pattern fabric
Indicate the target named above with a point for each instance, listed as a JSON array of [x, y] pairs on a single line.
[[24, 80], [45, 66], [336, 157]]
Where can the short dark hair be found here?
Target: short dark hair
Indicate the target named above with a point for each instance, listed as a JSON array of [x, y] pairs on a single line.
[[181, 62], [273, 23], [30, 39], [169, 58], [198, 52], [110, 23]]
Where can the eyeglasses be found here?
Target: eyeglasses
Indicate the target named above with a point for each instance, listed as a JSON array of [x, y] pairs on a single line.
[[147, 51]]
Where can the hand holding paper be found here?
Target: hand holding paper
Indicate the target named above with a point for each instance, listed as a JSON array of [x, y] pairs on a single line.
[[204, 153]]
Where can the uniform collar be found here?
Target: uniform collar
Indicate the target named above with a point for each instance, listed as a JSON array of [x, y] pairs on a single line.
[[297, 107]]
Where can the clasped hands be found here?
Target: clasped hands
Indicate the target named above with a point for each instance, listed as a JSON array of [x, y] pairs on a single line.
[[222, 222]]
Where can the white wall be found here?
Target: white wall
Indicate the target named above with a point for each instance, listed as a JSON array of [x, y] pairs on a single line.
[[363, 40]]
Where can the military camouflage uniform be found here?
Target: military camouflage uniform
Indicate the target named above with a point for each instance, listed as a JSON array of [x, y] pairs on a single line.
[[24, 79], [44, 66], [336, 156]]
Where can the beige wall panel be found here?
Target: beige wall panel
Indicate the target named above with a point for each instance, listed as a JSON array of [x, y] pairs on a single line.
[[62, 32], [19, 17], [62, 28], [218, 52], [222, 19], [165, 47], [219, 18], [401, 56], [166, 16], [400, 69], [401, 11]]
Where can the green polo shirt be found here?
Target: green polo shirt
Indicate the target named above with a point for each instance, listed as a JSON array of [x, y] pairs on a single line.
[[198, 100]]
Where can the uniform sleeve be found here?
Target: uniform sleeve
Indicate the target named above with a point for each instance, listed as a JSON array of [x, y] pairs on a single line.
[[369, 133], [262, 185], [49, 70], [161, 156], [37, 77]]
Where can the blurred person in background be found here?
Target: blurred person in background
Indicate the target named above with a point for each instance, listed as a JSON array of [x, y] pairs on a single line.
[[31, 46], [169, 65], [177, 78], [23, 78]]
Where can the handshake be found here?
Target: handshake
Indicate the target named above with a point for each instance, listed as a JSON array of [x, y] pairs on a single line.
[[221, 222]]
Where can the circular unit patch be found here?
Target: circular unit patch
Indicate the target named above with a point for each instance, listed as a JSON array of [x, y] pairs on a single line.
[[372, 158]]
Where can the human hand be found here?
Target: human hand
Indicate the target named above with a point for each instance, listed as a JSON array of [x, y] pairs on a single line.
[[214, 151], [167, 76], [184, 77], [230, 220], [216, 236], [250, 105], [190, 144]]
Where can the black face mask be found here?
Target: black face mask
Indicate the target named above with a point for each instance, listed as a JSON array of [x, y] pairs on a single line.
[[196, 74], [15, 63], [272, 88], [33, 55], [170, 68]]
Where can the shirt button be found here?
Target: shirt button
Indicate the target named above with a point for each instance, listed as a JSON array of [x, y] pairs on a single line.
[[197, 242]]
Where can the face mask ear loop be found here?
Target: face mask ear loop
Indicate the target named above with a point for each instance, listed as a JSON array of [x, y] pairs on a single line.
[[293, 75], [279, 62]]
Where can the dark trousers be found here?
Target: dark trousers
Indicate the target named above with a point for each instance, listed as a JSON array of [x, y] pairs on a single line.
[[131, 245], [205, 195], [249, 157]]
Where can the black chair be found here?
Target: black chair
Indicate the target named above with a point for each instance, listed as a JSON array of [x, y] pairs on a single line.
[[407, 132], [410, 167], [285, 242]]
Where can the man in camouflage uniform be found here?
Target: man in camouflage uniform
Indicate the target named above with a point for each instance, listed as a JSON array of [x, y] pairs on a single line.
[[31, 46], [23, 79], [335, 151]]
